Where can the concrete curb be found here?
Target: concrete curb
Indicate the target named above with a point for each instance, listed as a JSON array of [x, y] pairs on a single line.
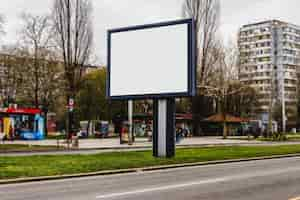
[[144, 169]]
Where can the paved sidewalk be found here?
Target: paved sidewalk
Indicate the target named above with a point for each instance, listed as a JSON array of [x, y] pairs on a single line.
[[139, 143], [94, 146]]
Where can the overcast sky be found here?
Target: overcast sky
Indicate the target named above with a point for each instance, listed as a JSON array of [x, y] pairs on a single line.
[[114, 13]]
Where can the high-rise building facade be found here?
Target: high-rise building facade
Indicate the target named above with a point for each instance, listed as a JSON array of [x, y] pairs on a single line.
[[269, 54]]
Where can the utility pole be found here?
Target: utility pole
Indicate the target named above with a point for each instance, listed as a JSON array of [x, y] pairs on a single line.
[[274, 66], [283, 103]]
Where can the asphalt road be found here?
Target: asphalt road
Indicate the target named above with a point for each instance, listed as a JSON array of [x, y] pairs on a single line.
[[277, 179]]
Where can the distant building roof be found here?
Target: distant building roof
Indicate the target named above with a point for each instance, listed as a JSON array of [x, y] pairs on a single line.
[[274, 21], [228, 118]]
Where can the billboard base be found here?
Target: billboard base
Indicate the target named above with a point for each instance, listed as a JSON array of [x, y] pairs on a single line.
[[164, 128]]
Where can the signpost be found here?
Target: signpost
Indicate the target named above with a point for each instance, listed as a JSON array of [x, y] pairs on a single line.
[[70, 122], [71, 104], [155, 61]]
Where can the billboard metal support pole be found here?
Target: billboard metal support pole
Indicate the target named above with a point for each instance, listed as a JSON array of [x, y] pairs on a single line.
[[130, 122], [164, 128]]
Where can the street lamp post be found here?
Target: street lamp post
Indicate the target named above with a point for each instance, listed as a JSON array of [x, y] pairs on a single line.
[[283, 104]]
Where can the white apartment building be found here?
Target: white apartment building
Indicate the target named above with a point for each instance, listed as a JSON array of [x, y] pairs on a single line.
[[270, 61]]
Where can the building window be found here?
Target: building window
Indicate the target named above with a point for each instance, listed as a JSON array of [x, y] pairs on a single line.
[[267, 51]]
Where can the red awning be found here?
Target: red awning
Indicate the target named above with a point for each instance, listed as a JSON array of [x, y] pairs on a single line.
[[31, 111], [183, 116]]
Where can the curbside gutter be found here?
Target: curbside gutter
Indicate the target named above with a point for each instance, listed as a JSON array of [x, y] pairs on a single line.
[[144, 169]]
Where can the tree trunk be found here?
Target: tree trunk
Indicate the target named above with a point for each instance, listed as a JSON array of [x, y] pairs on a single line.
[[88, 127], [70, 132], [46, 123], [36, 74], [195, 116], [225, 130]]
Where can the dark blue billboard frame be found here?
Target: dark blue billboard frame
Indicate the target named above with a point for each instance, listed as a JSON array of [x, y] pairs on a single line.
[[191, 61]]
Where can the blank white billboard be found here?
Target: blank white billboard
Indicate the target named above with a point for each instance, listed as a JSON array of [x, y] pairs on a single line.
[[149, 61]]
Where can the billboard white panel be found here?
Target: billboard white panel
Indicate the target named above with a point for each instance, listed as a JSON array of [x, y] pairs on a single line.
[[149, 61]]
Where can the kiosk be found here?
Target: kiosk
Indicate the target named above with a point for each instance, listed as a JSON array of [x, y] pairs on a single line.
[[22, 123]]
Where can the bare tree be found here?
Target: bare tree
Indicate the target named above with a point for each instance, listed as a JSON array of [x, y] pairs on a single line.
[[206, 16], [1, 80], [52, 83], [226, 83], [43, 75], [244, 102], [36, 35], [74, 35], [17, 82], [2, 21], [13, 61]]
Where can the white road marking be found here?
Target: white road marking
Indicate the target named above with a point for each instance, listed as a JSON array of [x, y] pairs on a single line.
[[160, 188], [201, 182]]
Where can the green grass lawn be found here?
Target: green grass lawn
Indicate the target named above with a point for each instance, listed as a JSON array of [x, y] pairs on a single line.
[[32, 166], [293, 137], [4, 148], [289, 137]]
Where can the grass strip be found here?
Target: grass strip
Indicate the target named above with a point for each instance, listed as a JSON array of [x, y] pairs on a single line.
[[34, 166]]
